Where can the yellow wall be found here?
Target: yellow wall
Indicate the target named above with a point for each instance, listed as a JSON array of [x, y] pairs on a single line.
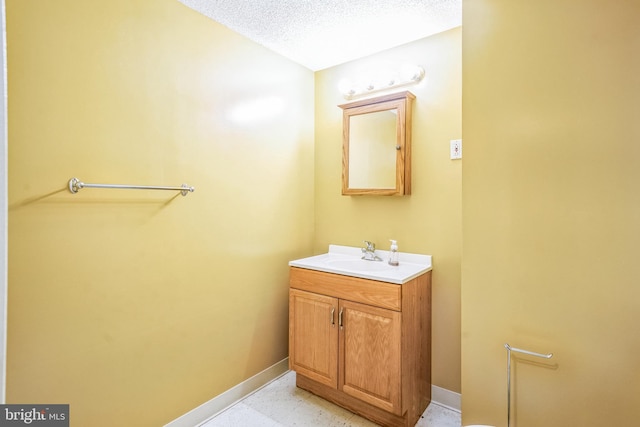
[[136, 306], [429, 220], [551, 208]]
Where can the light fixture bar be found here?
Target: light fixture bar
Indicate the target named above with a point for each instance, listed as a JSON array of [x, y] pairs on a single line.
[[351, 91]]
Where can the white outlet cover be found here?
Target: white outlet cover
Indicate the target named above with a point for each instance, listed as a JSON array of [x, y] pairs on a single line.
[[456, 149]]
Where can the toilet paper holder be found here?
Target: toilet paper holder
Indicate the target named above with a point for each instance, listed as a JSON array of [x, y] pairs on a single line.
[[517, 350]]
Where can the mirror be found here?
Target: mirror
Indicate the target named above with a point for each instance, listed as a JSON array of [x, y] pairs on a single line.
[[376, 148]]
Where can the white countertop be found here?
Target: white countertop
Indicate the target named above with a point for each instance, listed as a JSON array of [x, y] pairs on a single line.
[[346, 260]]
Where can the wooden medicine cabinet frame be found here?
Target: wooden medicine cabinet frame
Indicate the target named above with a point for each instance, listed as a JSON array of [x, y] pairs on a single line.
[[400, 105]]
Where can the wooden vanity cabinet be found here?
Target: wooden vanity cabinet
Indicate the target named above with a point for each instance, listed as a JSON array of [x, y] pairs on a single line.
[[362, 344]]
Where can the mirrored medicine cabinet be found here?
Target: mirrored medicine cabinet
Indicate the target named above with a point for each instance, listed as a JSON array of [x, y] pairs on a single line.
[[376, 147]]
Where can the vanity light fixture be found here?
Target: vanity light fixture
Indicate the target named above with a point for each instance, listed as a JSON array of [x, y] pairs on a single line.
[[407, 76]]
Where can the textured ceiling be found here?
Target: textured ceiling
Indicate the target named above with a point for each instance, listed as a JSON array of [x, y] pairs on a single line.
[[322, 33]]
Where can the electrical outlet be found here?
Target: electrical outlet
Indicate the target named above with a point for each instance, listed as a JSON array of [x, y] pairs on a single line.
[[456, 149]]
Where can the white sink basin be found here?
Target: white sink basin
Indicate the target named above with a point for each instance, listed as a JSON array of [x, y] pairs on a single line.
[[346, 260], [358, 264]]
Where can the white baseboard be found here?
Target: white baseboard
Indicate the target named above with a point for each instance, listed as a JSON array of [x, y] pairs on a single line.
[[448, 399], [221, 402], [195, 417]]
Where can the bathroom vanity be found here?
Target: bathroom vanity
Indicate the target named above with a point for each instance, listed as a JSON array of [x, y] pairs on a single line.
[[360, 332]]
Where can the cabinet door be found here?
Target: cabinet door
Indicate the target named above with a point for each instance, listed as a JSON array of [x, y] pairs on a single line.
[[313, 336], [370, 355]]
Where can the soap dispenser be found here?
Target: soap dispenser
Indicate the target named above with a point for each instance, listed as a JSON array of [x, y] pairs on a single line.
[[393, 253]]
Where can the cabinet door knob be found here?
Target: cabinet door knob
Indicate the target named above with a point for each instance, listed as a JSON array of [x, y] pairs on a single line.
[[340, 318], [333, 321]]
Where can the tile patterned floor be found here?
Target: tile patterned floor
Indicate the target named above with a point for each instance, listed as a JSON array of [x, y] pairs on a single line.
[[282, 404]]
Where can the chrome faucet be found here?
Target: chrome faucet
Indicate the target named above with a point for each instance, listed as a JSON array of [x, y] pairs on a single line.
[[369, 252]]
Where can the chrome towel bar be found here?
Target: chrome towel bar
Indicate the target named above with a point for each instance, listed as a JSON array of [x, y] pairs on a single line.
[[517, 350], [76, 185]]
